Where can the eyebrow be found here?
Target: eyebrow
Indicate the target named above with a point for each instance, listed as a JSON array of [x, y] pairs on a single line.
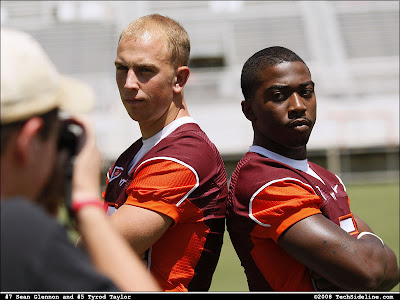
[[307, 83], [140, 65], [282, 87], [277, 87], [119, 63]]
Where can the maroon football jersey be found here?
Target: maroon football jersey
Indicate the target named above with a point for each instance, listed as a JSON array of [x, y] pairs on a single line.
[[266, 197], [183, 177]]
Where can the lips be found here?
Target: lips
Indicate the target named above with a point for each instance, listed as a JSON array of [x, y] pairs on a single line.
[[133, 101], [303, 122]]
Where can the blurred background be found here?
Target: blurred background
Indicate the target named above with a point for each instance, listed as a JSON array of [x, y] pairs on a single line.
[[351, 48]]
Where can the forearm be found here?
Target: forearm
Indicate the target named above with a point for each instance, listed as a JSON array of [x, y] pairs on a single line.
[[329, 251], [359, 266], [103, 242]]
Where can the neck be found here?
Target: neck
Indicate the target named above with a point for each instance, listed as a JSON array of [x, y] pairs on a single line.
[[297, 153], [13, 182], [151, 128]]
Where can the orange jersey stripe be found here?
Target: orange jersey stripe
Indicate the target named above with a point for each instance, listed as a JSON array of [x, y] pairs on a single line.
[[280, 204], [160, 185]]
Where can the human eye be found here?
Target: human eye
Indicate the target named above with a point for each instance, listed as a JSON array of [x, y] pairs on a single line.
[[277, 96], [145, 70], [307, 92], [120, 67], [276, 93]]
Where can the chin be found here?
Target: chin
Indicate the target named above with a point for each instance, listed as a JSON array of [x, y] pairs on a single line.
[[133, 116]]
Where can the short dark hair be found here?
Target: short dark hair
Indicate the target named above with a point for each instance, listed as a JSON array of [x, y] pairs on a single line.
[[7, 130], [262, 59]]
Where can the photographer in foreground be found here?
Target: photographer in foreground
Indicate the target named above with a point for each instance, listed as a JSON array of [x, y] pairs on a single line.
[[36, 254]]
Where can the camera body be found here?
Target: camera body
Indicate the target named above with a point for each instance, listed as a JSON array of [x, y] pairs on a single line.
[[68, 138]]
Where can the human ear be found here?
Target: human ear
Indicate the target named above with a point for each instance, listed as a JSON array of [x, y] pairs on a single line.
[[27, 140], [247, 110], [182, 76]]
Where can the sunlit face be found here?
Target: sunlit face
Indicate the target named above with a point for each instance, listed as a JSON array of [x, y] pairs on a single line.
[[283, 109], [145, 77]]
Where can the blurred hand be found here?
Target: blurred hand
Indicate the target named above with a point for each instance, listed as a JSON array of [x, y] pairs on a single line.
[[87, 165]]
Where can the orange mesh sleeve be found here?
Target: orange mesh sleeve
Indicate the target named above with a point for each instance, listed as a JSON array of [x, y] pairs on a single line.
[[280, 204], [161, 185]]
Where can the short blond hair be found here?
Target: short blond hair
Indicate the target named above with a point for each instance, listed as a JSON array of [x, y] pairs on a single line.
[[176, 37]]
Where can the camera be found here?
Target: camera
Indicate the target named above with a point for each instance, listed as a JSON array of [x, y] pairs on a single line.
[[68, 138]]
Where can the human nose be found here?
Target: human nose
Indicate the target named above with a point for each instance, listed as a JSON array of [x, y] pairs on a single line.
[[131, 81], [296, 103]]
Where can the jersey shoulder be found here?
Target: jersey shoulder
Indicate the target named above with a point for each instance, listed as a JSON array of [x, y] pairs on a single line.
[[254, 171]]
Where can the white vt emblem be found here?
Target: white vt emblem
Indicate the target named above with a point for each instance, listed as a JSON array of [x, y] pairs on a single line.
[[332, 194], [122, 181], [116, 172]]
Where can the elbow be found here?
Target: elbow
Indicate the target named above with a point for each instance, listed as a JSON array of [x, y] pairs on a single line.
[[372, 268], [365, 277], [372, 274], [391, 275], [369, 273], [372, 278]]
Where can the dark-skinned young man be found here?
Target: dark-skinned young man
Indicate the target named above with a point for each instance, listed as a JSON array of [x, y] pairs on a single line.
[[289, 219]]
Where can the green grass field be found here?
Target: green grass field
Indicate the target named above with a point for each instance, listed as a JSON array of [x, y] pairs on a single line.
[[376, 204]]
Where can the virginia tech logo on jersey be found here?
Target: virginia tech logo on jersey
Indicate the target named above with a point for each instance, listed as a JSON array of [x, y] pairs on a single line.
[[122, 181], [116, 173], [326, 197]]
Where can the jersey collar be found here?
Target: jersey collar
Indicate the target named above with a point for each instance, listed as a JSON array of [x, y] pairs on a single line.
[[301, 165]]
